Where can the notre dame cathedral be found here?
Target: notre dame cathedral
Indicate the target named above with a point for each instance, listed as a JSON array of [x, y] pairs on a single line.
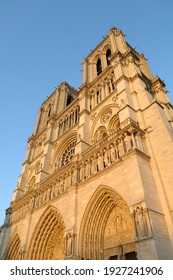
[[97, 180]]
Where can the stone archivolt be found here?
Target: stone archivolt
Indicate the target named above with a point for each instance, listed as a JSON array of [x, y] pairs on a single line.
[[106, 224], [13, 250], [47, 241]]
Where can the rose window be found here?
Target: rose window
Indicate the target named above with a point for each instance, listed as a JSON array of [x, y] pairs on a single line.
[[68, 154]]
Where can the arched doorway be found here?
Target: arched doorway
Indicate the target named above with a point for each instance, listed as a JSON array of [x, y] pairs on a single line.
[[107, 230], [13, 250], [48, 241]]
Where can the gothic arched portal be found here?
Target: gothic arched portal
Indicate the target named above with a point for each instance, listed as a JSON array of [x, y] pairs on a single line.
[[47, 242], [107, 230], [13, 250]]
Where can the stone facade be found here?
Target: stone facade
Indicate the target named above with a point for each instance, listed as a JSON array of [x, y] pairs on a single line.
[[97, 179]]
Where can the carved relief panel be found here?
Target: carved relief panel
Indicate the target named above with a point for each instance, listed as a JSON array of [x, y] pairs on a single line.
[[119, 229]]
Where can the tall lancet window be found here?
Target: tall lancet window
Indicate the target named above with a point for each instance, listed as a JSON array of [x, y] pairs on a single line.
[[69, 99], [108, 56], [99, 66], [49, 113]]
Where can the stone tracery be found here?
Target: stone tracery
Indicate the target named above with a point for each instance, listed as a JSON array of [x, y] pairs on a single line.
[[105, 122], [68, 154], [65, 151]]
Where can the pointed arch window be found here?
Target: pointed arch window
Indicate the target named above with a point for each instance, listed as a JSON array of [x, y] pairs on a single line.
[[99, 66], [69, 99], [49, 112], [108, 56]]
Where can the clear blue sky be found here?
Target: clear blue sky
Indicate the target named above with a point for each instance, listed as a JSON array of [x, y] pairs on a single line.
[[43, 42]]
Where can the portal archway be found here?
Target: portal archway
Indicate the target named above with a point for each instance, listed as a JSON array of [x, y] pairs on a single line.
[[13, 250], [47, 242], [107, 230]]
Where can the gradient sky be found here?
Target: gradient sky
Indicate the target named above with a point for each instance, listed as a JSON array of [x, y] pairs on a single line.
[[43, 42]]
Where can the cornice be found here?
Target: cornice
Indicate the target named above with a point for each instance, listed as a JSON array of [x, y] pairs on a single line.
[[132, 52], [158, 80]]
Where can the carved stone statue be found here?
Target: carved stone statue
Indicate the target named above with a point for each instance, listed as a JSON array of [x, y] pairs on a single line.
[[36, 201], [47, 194], [52, 191], [92, 166], [105, 158], [69, 178], [40, 200], [112, 153], [86, 169], [120, 148], [55, 166], [7, 216], [74, 175], [69, 244], [81, 172], [118, 224], [56, 188], [65, 182], [140, 222], [127, 142], [31, 203], [61, 185], [99, 162], [21, 254], [137, 140]]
